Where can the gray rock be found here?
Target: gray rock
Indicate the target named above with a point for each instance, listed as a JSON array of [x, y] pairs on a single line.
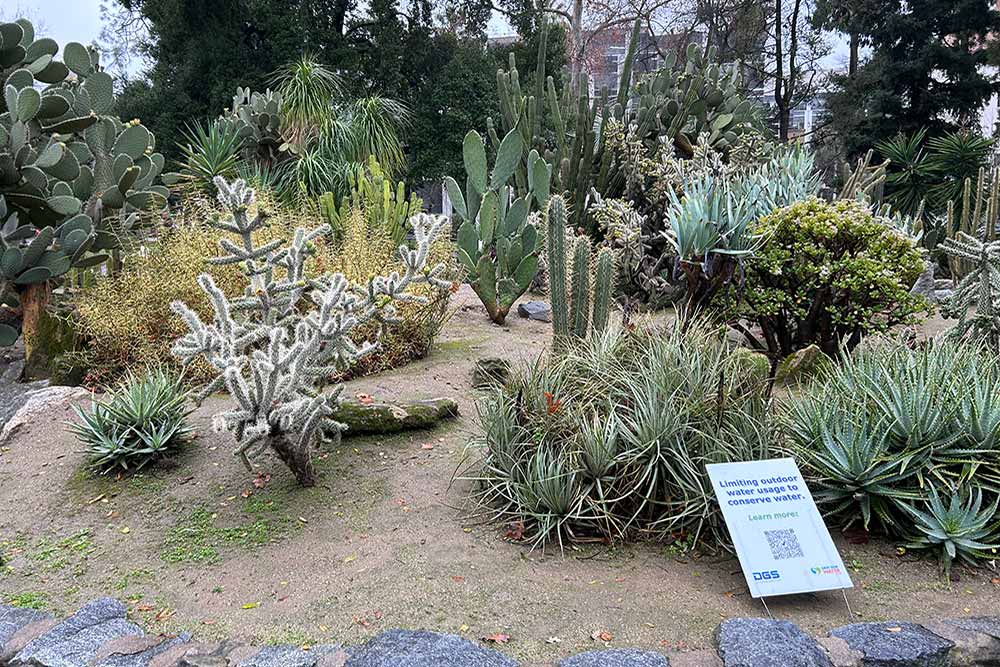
[[894, 644], [924, 286], [986, 625], [941, 295], [944, 283], [489, 372], [32, 400], [535, 310], [977, 639], [122, 657], [13, 619], [76, 640], [616, 657], [409, 648], [762, 642], [288, 656]]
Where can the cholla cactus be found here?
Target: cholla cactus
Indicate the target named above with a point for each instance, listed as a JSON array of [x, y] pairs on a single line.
[[980, 288], [275, 346]]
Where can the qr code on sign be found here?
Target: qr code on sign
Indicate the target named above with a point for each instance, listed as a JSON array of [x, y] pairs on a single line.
[[784, 544]]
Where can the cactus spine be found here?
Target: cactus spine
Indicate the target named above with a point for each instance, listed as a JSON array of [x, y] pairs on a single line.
[[587, 309]]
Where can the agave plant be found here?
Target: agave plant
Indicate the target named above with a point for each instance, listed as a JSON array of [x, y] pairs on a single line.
[[710, 230], [854, 474], [957, 527], [143, 420]]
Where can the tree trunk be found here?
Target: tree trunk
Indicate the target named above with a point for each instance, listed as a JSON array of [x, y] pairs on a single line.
[[576, 33], [34, 299], [299, 461], [852, 63]]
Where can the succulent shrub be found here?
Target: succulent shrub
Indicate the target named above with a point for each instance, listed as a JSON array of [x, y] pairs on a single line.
[[127, 322], [71, 173], [610, 437], [826, 274], [958, 527], [276, 346], [144, 419], [497, 243], [875, 432]]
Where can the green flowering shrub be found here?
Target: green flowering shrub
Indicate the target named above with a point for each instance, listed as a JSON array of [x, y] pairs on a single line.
[[827, 273]]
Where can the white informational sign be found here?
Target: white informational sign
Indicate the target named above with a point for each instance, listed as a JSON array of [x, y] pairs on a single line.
[[782, 543]]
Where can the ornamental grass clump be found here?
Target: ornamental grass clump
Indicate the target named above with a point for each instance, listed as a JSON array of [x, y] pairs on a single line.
[[878, 432], [276, 347], [609, 438], [143, 420]]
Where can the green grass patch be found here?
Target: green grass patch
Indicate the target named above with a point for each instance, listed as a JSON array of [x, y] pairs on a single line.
[[202, 535], [28, 600]]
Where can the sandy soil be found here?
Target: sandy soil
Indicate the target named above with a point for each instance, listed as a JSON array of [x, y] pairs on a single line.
[[387, 540]]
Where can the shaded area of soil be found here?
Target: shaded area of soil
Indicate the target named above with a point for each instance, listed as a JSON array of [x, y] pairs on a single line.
[[386, 540]]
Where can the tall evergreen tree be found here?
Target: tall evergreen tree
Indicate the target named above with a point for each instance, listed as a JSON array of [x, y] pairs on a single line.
[[927, 69]]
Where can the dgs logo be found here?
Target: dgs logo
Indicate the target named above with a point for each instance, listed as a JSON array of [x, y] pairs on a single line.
[[769, 575]]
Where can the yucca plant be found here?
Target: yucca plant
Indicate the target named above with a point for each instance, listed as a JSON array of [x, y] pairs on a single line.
[[957, 527], [143, 420]]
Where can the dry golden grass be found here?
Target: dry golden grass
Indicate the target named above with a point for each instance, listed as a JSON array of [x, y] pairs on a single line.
[[127, 321]]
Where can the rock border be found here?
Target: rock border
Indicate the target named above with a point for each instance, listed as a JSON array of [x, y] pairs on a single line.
[[100, 635]]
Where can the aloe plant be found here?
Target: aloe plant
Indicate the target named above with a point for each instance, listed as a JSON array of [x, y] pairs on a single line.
[[957, 527]]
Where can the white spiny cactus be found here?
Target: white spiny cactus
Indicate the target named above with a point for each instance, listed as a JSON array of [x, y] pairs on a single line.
[[276, 346]]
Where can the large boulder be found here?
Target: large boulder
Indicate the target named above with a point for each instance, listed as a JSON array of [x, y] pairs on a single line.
[[762, 642], [803, 365], [77, 640], [895, 644], [418, 648]]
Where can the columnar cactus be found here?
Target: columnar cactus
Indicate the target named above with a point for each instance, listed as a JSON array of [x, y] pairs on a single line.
[[979, 289], [587, 306], [71, 174], [497, 244], [276, 346], [679, 104]]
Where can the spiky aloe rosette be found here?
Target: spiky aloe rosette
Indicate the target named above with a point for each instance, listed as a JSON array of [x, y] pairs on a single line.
[[276, 346]]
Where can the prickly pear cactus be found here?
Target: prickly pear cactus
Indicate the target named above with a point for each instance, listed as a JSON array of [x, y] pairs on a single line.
[[258, 119], [72, 176], [497, 244]]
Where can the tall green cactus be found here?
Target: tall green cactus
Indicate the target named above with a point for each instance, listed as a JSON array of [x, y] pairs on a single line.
[[72, 176], [497, 244], [575, 317], [679, 103], [385, 206]]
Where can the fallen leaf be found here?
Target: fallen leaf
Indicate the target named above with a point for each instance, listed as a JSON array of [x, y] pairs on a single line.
[[350, 559], [261, 480], [458, 579], [208, 621], [164, 614], [251, 605], [427, 445], [894, 628], [515, 531], [246, 493], [602, 636], [144, 607], [364, 399], [126, 530], [463, 628], [498, 638], [303, 519]]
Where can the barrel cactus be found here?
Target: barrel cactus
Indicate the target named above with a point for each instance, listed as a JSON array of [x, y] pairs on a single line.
[[497, 244], [72, 175]]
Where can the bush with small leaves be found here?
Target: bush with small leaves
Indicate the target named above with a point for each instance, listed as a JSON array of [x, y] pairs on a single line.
[[143, 420], [827, 274]]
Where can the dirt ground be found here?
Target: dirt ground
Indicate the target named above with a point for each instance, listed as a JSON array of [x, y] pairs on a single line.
[[387, 540]]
